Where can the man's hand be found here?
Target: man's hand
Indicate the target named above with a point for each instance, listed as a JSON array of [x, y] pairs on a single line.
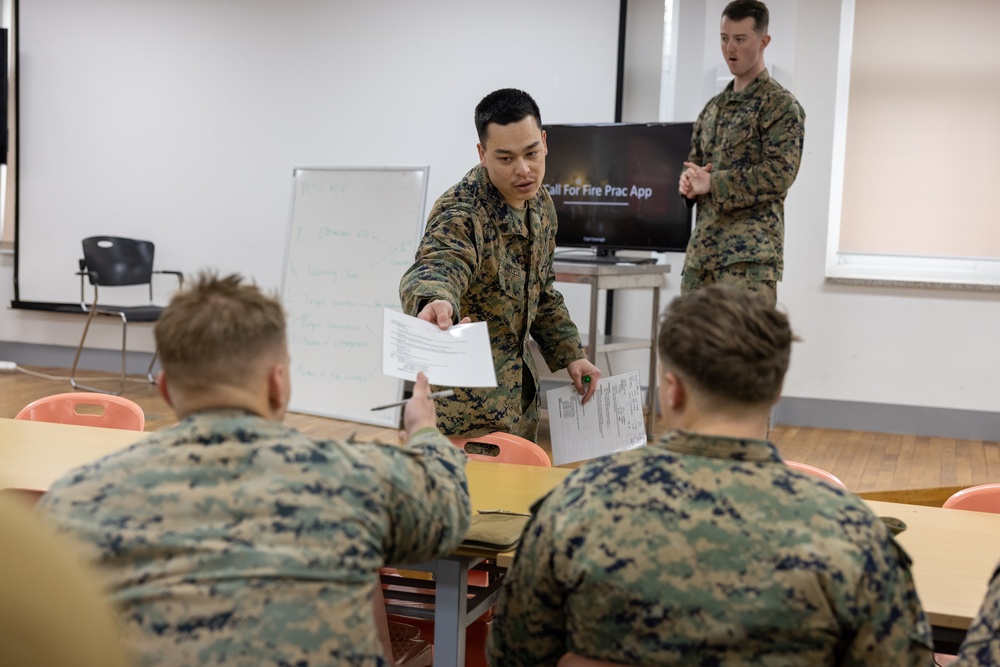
[[440, 313], [580, 369], [420, 411], [695, 180]]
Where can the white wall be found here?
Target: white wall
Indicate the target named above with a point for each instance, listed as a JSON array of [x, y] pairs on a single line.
[[182, 122], [912, 347]]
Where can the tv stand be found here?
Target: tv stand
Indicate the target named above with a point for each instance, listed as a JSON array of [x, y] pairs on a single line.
[[604, 259], [609, 277]]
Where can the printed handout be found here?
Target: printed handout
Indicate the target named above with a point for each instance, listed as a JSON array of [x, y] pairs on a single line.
[[457, 357], [610, 422]]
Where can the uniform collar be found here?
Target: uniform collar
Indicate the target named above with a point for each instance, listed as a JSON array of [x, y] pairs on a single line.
[[758, 81], [719, 447], [500, 210]]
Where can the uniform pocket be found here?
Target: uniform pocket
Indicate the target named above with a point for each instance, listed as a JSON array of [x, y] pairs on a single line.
[[511, 279]]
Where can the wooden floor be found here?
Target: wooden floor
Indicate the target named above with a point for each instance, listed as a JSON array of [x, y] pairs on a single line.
[[905, 468]]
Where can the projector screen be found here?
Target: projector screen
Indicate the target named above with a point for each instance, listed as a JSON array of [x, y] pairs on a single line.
[[181, 122]]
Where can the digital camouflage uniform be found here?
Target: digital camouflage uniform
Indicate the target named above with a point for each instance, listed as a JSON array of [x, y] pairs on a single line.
[[981, 647], [707, 551], [231, 539], [478, 255], [753, 139]]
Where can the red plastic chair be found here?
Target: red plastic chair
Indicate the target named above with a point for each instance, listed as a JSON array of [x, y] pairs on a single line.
[[86, 409], [981, 498], [817, 472]]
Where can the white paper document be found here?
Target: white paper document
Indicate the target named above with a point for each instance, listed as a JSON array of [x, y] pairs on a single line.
[[610, 422], [456, 357]]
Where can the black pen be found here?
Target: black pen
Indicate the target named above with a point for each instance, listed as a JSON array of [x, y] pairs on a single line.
[[437, 394]]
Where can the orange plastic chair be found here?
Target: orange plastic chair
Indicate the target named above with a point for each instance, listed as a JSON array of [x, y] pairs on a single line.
[[86, 409], [981, 498], [817, 472], [500, 447]]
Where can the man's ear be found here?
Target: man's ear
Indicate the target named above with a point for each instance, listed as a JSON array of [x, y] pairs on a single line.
[[676, 392], [482, 154], [277, 388], [161, 386]]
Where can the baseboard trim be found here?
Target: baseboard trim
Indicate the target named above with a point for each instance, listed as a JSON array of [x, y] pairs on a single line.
[[887, 418], [59, 356]]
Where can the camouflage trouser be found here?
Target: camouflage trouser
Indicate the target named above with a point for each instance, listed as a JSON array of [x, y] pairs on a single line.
[[744, 275]]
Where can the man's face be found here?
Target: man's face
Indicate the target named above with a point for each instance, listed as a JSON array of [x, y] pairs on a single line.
[[742, 47], [514, 157]]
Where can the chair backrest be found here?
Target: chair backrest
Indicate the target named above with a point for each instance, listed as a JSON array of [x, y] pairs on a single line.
[[981, 498], [817, 472], [116, 261], [86, 409], [502, 447]]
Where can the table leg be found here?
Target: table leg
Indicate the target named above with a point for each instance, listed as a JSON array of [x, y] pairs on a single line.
[[651, 396], [450, 611]]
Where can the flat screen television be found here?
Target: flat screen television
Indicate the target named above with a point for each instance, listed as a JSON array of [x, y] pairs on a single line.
[[614, 186]]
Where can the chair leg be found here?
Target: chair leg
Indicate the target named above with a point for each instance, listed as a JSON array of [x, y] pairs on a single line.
[[79, 350], [121, 390], [152, 362]]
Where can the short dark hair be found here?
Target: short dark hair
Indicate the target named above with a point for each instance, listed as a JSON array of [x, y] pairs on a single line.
[[730, 344], [737, 10], [503, 107], [216, 331]]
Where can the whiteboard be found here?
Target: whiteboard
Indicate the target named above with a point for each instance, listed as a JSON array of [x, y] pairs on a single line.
[[353, 232]]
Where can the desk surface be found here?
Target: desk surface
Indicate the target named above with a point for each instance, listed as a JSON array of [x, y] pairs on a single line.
[[954, 552], [33, 455], [509, 486], [954, 555]]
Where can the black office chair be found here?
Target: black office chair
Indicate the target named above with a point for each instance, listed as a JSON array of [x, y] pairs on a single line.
[[113, 261]]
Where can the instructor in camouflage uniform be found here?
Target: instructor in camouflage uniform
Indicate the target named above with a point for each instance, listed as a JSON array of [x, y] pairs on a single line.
[[486, 256], [745, 154], [705, 548], [232, 539]]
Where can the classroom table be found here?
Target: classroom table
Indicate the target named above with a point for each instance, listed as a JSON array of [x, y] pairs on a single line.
[[35, 454], [954, 552]]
